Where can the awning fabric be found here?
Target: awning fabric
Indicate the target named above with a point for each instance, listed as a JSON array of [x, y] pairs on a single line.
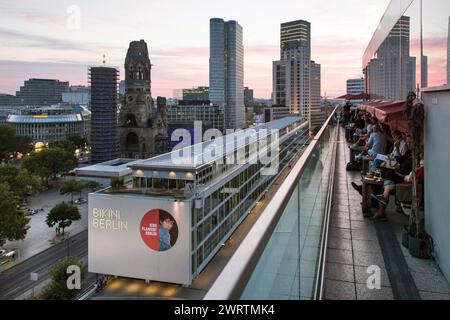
[[392, 113], [360, 96]]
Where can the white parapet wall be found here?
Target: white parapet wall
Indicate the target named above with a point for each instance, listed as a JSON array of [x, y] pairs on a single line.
[[437, 172]]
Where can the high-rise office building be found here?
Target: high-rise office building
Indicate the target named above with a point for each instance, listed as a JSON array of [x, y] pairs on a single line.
[[317, 114], [248, 97], [355, 86], [42, 92], [104, 101], [392, 74], [226, 70], [292, 73], [143, 131]]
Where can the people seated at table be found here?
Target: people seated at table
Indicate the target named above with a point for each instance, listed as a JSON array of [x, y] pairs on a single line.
[[399, 148], [390, 187], [365, 133], [390, 176], [359, 123], [375, 145]]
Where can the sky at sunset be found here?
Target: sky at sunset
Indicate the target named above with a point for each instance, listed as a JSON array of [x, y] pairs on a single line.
[[39, 38]]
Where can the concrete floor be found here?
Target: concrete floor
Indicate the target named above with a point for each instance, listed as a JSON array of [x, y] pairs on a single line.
[[353, 246]]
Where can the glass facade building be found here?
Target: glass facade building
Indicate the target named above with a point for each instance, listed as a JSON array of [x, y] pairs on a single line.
[[408, 51], [226, 70], [217, 190], [104, 103], [296, 79]]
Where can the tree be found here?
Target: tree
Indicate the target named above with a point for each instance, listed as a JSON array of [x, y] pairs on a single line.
[[66, 145], [49, 163], [415, 112], [11, 144], [71, 187], [57, 289], [62, 215], [79, 142], [20, 181], [13, 223]]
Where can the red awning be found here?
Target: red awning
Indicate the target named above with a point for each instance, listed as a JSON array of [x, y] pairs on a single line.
[[360, 96], [392, 113], [369, 106]]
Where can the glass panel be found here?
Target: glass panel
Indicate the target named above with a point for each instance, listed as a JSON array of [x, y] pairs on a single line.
[[287, 267]]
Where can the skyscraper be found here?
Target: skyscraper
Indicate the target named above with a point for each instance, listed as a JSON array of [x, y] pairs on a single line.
[[292, 73], [226, 70], [142, 126], [317, 115], [392, 73], [104, 101]]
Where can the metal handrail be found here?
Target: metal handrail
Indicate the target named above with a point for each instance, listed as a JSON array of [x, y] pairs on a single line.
[[234, 277], [320, 279]]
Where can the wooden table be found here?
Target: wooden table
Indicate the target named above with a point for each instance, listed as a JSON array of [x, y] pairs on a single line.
[[354, 151], [367, 187]]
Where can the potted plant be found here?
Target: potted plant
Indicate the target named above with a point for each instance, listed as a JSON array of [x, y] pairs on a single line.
[[117, 184], [415, 238]]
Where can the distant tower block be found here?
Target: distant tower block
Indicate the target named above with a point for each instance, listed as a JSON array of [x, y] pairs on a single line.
[[142, 126]]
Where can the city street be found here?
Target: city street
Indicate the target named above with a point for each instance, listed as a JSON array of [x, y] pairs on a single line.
[[16, 280], [39, 236]]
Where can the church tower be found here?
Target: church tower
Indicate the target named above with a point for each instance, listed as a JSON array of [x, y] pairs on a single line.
[[142, 128]]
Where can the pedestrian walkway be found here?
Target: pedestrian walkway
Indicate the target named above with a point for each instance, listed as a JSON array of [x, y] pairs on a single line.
[[356, 243]]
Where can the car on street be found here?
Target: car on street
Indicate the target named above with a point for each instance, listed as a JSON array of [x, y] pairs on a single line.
[[80, 201], [7, 256]]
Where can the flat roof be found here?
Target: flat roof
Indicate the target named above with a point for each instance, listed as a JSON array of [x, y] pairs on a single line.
[[113, 168], [192, 156], [44, 118]]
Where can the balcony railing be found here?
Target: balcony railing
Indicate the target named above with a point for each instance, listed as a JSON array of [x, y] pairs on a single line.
[[283, 255]]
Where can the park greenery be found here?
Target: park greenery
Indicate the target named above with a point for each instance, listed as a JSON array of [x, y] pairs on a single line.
[[21, 182], [12, 144], [57, 288], [71, 187], [62, 216], [49, 163], [24, 172]]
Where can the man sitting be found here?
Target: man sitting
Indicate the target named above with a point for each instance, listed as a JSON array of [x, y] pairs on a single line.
[[399, 150], [390, 186], [375, 145]]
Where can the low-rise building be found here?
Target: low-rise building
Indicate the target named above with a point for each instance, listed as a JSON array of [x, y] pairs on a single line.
[[182, 206], [52, 123], [105, 172]]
